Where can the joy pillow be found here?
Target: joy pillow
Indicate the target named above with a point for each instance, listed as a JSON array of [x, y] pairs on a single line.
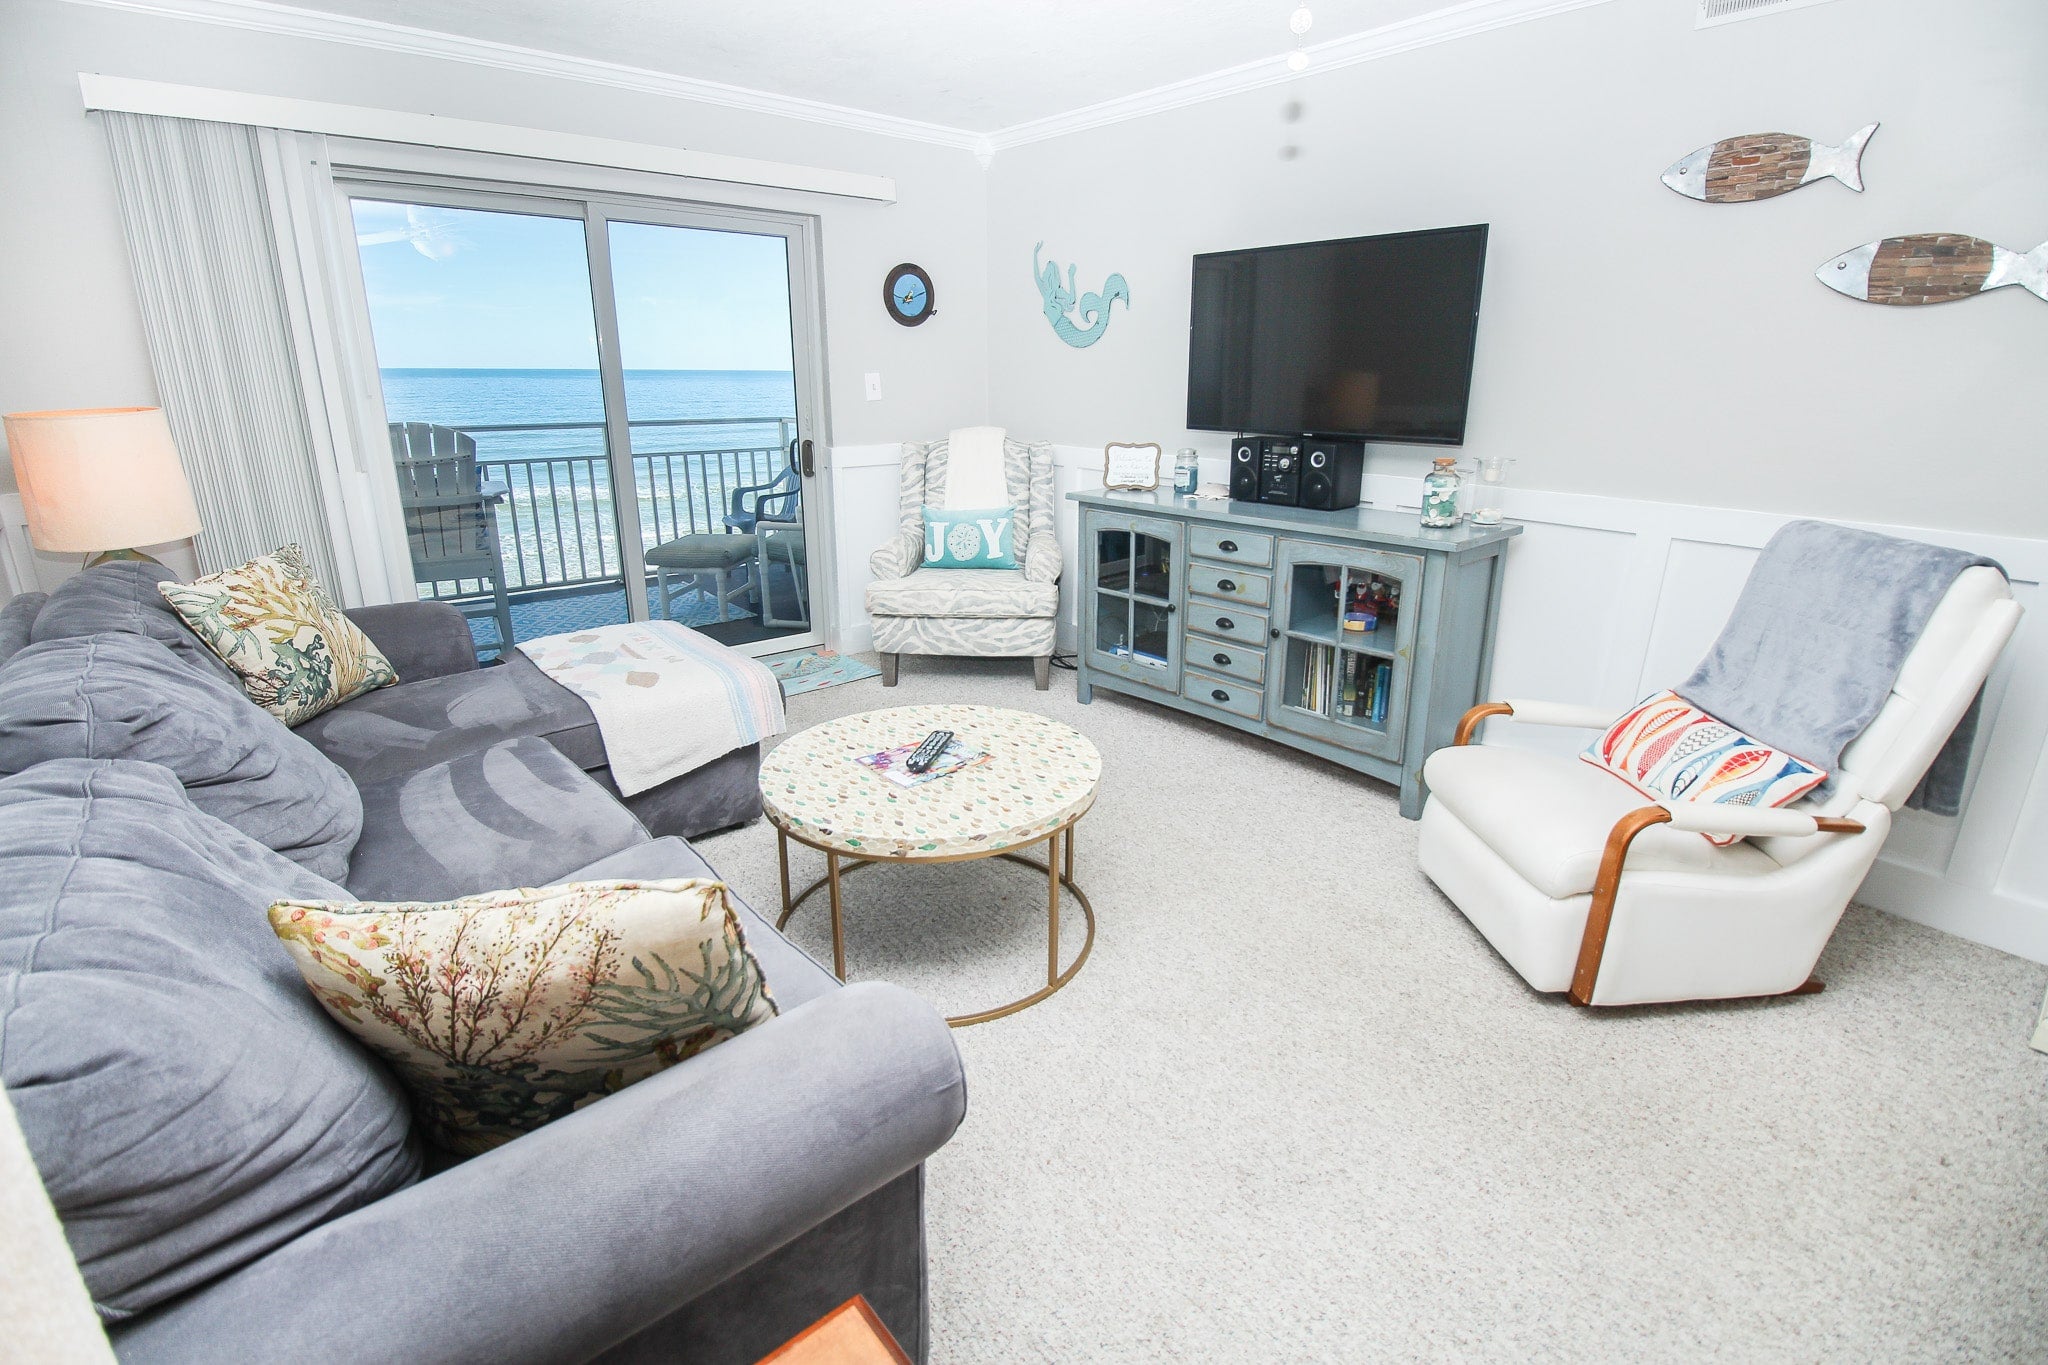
[[1670, 750], [969, 538]]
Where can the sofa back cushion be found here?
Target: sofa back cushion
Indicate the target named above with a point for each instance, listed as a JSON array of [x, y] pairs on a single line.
[[122, 598], [188, 1103], [126, 696], [15, 620]]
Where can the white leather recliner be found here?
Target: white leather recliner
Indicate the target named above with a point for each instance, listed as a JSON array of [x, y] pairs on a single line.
[[1587, 887]]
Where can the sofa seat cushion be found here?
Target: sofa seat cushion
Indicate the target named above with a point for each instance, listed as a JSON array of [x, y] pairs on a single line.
[[123, 597], [1548, 817], [971, 594], [17, 618], [793, 975], [515, 814], [127, 696], [415, 724], [189, 1104]]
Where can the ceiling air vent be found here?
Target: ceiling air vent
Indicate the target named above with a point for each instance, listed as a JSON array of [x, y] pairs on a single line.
[[1714, 12]]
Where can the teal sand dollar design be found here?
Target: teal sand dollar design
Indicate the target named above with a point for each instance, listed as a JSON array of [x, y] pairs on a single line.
[[1059, 300]]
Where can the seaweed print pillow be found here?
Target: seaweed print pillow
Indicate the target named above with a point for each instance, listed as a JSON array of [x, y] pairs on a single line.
[[295, 651], [504, 1011]]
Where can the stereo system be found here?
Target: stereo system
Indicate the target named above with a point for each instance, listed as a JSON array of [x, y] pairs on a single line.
[[1295, 471]]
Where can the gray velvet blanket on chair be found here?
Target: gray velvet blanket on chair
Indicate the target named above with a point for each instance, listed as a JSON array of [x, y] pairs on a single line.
[[1816, 641]]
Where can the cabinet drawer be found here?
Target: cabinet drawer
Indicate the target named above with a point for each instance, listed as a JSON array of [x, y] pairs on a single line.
[[1228, 623], [1238, 547], [1220, 656], [1238, 585], [1243, 699]]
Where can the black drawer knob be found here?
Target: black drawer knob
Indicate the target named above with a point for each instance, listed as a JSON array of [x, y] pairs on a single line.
[[1171, 608], [1228, 547], [1223, 659], [1225, 585], [1276, 632], [1225, 623], [1219, 694]]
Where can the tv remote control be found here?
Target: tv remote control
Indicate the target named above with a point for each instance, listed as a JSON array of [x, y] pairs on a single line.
[[928, 752]]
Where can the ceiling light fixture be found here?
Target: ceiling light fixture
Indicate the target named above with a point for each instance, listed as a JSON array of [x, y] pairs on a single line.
[[1297, 60], [1301, 20]]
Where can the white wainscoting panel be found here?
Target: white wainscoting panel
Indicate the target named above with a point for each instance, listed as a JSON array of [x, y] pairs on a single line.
[[1607, 600]]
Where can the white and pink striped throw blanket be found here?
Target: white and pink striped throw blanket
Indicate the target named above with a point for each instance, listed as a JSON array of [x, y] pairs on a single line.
[[667, 700]]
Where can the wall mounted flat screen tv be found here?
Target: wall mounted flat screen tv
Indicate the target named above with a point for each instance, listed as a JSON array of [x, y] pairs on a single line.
[[1368, 338]]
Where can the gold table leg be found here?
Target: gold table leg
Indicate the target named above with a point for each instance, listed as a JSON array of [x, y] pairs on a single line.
[[1052, 908], [1059, 872], [838, 925], [782, 857]]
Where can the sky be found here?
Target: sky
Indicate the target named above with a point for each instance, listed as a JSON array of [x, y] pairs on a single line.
[[473, 289]]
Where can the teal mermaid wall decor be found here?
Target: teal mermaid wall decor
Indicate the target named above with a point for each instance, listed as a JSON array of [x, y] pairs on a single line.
[[1060, 300]]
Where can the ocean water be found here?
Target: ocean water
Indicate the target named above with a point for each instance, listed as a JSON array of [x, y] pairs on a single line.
[[556, 510]]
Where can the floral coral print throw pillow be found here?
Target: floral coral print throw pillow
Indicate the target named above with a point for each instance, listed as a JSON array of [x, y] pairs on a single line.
[[296, 653], [506, 1010]]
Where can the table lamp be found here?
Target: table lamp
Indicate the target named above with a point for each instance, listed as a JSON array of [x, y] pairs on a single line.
[[100, 481]]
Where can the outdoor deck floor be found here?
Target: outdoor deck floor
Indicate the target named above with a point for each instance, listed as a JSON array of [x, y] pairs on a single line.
[[557, 613]]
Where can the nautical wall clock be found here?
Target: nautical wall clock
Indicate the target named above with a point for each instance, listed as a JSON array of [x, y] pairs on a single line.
[[907, 294]]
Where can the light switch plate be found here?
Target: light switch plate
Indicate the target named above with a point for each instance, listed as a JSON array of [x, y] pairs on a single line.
[[874, 387]]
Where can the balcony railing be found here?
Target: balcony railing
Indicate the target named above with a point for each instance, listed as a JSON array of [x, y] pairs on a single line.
[[552, 487]]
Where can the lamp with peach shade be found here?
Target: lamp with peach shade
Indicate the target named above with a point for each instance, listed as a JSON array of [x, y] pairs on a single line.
[[100, 481]]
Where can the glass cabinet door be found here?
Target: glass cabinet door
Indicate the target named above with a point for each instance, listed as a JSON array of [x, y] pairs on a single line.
[[1344, 626], [1130, 623]]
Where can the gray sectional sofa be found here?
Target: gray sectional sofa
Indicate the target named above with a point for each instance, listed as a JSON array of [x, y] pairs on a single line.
[[240, 1180]]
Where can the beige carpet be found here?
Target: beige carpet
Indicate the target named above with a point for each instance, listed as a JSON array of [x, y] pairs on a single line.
[[1295, 1109]]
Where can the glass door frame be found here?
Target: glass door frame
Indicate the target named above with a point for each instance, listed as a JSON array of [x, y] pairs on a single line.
[[597, 211]]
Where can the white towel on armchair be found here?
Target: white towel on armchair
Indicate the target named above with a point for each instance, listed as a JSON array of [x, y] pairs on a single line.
[[974, 469]]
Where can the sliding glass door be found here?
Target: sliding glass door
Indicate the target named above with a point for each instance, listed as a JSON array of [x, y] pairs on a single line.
[[598, 411]]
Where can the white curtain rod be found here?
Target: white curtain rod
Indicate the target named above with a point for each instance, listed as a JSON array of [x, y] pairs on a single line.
[[126, 95]]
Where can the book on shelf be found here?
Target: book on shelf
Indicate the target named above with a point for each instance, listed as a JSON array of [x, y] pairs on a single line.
[[888, 763]]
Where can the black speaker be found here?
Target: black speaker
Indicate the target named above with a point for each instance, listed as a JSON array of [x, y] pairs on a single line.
[[1331, 472], [1244, 469], [1280, 471]]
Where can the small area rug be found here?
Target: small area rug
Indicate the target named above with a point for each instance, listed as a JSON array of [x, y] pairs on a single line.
[[811, 669]]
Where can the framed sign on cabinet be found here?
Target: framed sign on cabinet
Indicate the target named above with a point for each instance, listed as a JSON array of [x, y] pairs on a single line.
[[1129, 465]]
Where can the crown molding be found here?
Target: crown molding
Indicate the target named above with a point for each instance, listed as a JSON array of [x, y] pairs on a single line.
[[260, 16], [1442, 26], [121, 94]]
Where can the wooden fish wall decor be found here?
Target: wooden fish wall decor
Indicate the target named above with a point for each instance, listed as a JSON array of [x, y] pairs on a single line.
[[1739, 170], [1059, 300], [1933, 267]]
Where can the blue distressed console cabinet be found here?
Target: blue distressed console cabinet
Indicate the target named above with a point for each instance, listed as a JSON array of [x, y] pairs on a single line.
[[1236, 611]]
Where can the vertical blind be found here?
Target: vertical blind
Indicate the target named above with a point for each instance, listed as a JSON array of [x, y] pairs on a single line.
[[200, 236]]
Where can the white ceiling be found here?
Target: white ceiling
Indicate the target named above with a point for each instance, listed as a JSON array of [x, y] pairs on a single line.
[[978, 65]]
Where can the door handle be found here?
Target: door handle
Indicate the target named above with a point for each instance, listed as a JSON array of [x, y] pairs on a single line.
[[1276, 632], [810, 464]]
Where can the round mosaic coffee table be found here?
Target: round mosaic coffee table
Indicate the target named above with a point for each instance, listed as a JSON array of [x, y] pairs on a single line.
[[1039, 780]]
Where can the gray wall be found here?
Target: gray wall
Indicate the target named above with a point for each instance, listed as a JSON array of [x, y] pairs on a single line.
[[1632, 342], [70, 335]]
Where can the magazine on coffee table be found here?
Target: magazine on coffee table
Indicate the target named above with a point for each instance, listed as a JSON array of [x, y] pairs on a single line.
[[889, 762]]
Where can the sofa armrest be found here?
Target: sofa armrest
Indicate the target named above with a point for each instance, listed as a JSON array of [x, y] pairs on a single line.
[[576, 1236], [899, 556], [422, 639], [1042, 558]]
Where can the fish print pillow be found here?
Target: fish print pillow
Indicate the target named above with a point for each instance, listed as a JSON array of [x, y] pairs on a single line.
[[504, 1011], [969, 538], [295, 651], [1670, 750]]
